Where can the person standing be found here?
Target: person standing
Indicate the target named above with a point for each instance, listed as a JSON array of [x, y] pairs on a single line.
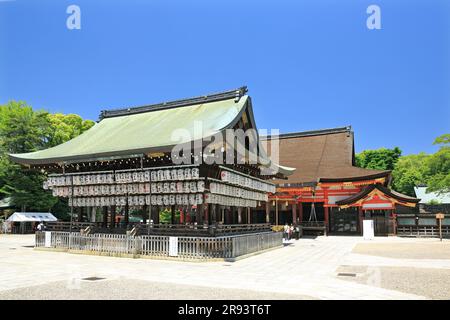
[[291, 231], [40, 226], [286, 231]]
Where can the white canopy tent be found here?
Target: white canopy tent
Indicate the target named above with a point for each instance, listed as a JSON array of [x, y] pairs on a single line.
[[31, 217]]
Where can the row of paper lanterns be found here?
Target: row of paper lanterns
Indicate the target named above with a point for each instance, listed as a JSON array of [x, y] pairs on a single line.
[[246, 182], [123, 177], [160, 200], [134, 188], [221, 188], [229, 201]]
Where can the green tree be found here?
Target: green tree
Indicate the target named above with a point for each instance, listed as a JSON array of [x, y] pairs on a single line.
[[24, 130], [21, 128], [443, 139], [438, 167], [381, 159], [65, 127], [410, 171]]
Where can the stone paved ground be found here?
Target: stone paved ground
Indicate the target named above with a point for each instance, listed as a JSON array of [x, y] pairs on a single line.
[[305, 269]]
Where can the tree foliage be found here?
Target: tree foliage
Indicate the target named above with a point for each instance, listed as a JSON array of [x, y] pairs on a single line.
[[23, 129], [381, 159], [65, 127], [438, 171], [409, 171]]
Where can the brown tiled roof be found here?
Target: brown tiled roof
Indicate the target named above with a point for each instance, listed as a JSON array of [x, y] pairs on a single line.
[[321, 154]]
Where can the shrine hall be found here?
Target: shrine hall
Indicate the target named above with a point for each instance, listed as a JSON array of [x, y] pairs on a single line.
[[327, 191]]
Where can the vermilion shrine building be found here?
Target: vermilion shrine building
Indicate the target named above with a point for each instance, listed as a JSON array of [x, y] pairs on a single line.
[[327, 190]]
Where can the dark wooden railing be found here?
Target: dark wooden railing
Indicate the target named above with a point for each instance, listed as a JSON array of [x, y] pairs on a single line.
[[161, 229], [422, 225]]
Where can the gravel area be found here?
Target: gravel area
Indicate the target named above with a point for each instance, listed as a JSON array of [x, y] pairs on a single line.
[[126, 289], [430, 283], [411, 250]]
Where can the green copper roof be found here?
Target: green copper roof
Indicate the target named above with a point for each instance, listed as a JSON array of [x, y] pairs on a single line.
[[142, 132]]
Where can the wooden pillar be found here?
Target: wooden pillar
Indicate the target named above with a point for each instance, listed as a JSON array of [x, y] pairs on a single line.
[[105, 216], [127, 213], [113, 216], [144, 214], [206, 214], [249, 216], [172, 214], [326, 216], [360, 216], [294, 213], [267, 212], [276, 212], [215, 210], [300, 212], [80, 214], [327, 219], [182, 212], [155, 214], [199, 214], [187, 216], [394, 222]]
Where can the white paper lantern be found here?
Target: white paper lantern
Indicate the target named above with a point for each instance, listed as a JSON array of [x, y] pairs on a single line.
[[186, 187], [187, 174], [172, 199], [180, 174], [166, 187], [199, 198], [195, 173]]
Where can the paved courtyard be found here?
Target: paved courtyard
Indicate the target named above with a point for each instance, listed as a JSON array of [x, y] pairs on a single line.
[[316, 268]]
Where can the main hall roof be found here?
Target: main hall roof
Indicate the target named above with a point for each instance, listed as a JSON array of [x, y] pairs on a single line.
[[321, 156], [139, 130]]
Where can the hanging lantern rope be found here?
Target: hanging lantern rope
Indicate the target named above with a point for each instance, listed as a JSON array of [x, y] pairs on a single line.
[[312, 214]]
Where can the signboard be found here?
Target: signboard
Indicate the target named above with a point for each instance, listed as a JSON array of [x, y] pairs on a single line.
[[173, 246], [48, 239], [368, 230], [439, 216]]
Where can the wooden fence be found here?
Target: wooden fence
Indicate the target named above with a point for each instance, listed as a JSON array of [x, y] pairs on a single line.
[[422, 225], [226, 247], [212, 230]]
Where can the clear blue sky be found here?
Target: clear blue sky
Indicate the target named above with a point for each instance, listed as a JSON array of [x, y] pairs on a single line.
[[308, 64]]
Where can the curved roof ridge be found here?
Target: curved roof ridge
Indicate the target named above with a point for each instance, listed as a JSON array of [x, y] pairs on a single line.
[[367, 190], [224, 95]]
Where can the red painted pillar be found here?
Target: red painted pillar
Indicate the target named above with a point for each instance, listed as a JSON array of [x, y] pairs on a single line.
[[181, 215]]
